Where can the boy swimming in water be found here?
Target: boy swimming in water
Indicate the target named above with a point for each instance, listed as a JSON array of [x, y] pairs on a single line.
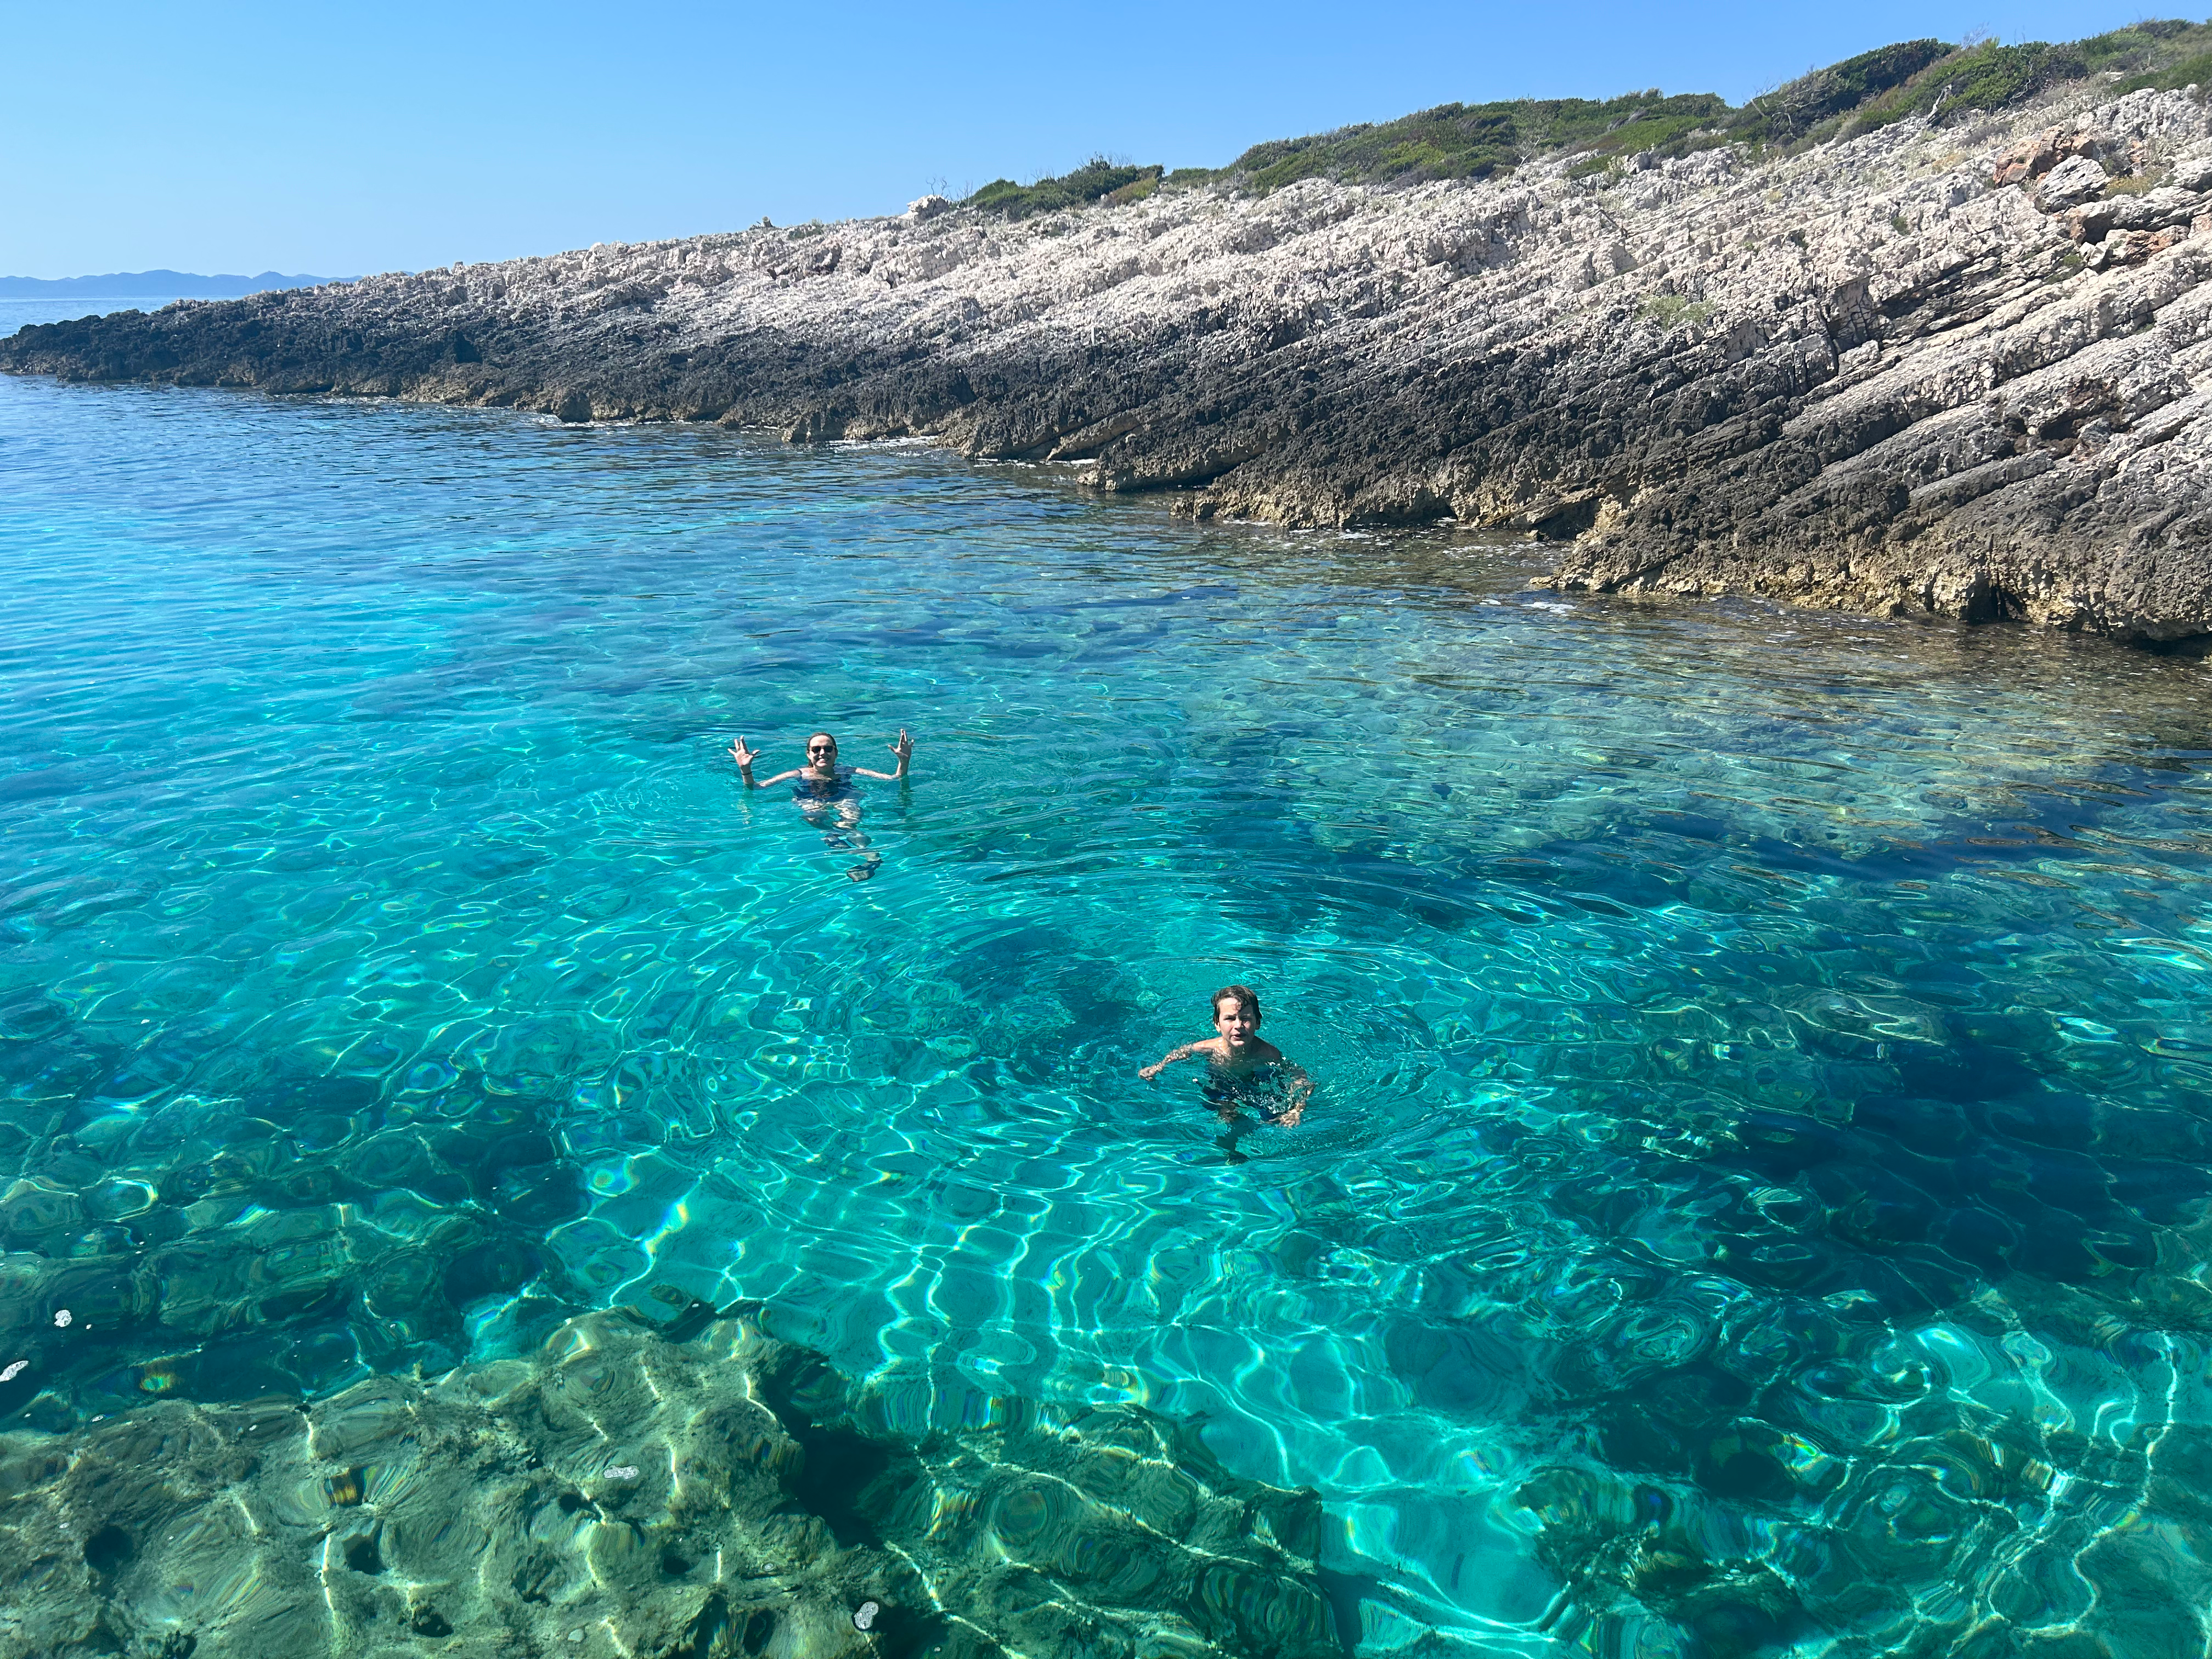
[[1242, 1067]]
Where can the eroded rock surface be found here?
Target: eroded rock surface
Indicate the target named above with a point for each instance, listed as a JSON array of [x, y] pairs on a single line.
[[1952, 369], [626, 1493]]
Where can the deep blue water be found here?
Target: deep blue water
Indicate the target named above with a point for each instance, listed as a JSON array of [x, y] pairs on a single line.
[[1753, 1198]]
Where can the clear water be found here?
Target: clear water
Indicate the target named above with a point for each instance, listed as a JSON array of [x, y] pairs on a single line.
[[1753, 1202]]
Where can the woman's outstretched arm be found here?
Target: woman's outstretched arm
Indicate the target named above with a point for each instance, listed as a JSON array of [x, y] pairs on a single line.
[[745, 758], [903, 749]]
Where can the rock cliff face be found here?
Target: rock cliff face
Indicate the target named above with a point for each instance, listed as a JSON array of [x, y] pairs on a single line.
[[1959, 370]]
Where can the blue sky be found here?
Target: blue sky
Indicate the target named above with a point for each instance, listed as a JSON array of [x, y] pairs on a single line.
[[350, 138]]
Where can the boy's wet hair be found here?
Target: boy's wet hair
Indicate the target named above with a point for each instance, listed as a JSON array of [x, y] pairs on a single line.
[[1244, 995]]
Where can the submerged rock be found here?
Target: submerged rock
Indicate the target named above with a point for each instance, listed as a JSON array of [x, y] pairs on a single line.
[[624, 1493]]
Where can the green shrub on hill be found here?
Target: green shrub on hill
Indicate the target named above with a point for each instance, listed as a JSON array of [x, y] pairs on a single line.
[[1989, 75], [2153, 47], [1931, 78], [1791, 111], [1911, 77], [2188, 72], [1673, 311], [1097, 178], [1475, 141], [2163, 56]]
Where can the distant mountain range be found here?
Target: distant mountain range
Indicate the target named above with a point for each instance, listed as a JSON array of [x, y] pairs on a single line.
[[123, 284]]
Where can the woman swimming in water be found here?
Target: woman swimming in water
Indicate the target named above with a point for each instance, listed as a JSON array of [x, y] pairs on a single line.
[[824, 787]]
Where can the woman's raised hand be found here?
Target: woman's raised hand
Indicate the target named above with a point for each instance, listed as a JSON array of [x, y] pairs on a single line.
[[903, 748], [744, 756]]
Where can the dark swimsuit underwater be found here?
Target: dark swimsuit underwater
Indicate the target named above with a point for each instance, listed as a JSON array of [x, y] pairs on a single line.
[[1265, 1090]]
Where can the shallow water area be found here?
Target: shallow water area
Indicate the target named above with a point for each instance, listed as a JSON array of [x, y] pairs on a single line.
[[1753, 1198]]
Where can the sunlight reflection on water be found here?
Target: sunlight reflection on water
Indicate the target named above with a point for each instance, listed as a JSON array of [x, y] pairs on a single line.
[[1754, 1200]]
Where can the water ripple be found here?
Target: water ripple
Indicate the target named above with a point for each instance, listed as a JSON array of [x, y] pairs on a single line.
[[1755, 1198]]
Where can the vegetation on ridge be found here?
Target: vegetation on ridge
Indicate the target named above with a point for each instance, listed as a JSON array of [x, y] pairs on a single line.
[[1988, 75], [1097, 178], [1930, 78], [1475, 141]]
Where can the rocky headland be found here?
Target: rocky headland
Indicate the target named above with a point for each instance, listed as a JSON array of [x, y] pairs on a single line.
[[1954, 361]]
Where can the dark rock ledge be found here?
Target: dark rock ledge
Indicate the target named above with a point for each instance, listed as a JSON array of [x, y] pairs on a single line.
[[1945, 370]]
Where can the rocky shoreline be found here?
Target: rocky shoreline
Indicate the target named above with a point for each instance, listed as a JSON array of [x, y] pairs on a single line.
[[1938, 368]]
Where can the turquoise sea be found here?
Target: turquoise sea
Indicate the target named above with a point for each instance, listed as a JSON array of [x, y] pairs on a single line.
[[1754, 1200]]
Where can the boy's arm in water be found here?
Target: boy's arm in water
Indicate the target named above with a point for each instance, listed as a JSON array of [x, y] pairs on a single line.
[[745, 758], [1203, 1045], [903, 749], [1297, 1089]]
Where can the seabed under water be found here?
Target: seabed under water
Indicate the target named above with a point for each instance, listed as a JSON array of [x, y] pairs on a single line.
[[1753, 1202]]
